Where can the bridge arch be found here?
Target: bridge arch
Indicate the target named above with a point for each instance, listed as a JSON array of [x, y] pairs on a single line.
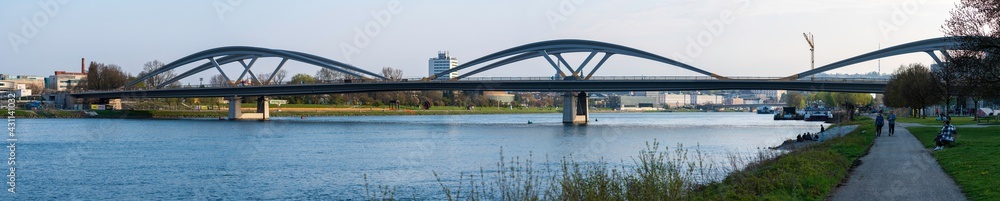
[[240, 54], [942, 44], [557, 48]]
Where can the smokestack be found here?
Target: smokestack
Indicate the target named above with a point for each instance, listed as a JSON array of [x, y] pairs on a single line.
[[82, 66]]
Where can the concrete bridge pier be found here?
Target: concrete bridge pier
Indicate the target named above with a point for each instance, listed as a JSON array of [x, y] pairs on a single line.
[[236, 110], [576, 109]]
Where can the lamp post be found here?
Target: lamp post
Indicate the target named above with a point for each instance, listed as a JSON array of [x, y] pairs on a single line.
[[201, 82]]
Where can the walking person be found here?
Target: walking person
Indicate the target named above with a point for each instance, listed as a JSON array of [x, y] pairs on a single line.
[[892, 122], [947, 135], [879, 122]]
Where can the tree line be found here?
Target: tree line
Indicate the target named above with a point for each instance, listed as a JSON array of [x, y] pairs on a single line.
[[102, 77], [971, 73]]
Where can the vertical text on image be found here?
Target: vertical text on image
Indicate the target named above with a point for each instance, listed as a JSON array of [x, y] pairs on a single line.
[[12, 140]]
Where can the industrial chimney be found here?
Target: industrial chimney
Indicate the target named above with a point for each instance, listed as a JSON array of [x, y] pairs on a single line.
[[82, 66]]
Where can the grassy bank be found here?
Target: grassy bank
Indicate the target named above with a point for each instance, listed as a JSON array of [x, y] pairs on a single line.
[[48, 114], [972, 161], [932, 121], [675, 174], [807, 174]]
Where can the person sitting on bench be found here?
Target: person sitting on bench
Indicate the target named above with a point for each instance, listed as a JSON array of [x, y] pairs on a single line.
[[947, 134]]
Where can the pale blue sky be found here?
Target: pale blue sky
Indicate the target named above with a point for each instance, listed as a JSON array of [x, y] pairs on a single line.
[[762, 38]]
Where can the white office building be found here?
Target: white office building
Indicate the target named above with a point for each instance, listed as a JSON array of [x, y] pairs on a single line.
[[440, 64]]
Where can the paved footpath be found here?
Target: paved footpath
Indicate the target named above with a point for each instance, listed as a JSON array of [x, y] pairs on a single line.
[[898, 168]]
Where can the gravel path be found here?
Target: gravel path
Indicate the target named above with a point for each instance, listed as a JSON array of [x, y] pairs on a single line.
[[898, 168]]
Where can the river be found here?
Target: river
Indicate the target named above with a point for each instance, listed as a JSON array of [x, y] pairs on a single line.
[[329, 157]]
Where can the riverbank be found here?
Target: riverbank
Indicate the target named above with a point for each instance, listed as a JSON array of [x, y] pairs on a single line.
[[808, 173], [832, 132]]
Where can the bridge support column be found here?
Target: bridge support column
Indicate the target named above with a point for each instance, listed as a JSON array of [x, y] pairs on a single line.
[[235, 109], [575, 108], [264, 107]]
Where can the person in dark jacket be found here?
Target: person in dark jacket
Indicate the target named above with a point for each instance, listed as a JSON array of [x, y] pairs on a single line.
[[879, 122]]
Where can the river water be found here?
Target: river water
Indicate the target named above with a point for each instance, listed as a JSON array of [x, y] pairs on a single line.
[[330, 157]]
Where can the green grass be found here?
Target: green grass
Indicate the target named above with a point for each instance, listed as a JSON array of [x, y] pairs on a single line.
[[48, 114], [932, 121], [808, 174], [971, 161]]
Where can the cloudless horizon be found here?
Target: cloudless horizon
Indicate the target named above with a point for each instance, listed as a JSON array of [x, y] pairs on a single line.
[[730, 38]]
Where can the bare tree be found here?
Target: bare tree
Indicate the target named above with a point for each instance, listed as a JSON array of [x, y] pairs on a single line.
[[158, 79], [977, 23], [280, 76], [392, 74], [263, 78], [326, 75], [219, 80]]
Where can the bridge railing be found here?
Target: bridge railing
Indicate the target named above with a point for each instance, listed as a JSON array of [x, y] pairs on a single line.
[[479, 79]]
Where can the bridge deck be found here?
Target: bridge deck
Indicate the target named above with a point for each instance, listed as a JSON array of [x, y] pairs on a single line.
[[844, 85]]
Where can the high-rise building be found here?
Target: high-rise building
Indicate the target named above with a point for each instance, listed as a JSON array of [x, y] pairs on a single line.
[[440, 64]]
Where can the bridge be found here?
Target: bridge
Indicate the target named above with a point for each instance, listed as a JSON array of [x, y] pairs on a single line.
[[573, 82]]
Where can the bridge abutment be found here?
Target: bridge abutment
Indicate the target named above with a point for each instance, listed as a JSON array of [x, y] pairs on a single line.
[[576, 109], [236, 110]]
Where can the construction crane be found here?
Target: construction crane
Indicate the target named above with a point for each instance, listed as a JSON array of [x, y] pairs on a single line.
[[812, 50]]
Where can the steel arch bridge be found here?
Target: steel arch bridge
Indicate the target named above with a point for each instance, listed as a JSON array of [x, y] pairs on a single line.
[[546, 49], [242, 53], [556, 48], [929, 46]]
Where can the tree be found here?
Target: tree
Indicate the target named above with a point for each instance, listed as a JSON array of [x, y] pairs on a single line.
[[912, 86], [947, 78], [976, 23], [851, 101], [280, 76], [105, 77], [158, 79], [971, 82], [219, 81], [263, 78], [392, 74], [795, 99], [302, 79], [326, 75]]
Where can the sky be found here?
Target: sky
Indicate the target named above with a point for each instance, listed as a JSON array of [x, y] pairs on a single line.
[[727, 37]]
